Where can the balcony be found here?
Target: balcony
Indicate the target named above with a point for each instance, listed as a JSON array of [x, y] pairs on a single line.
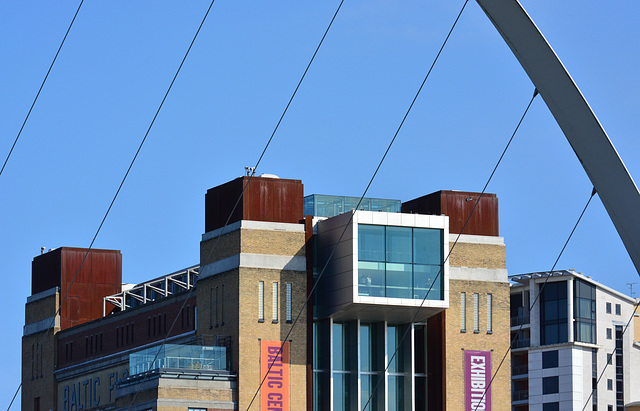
[[180, 358], [521, 343], [519, 395], [520, 320], [519, 369]]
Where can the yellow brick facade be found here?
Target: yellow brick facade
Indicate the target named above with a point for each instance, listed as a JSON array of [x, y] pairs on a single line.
[[241, 320], [477, 255], [497, 339]]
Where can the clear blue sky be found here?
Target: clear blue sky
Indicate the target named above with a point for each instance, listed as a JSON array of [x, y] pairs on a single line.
[[121, 55]]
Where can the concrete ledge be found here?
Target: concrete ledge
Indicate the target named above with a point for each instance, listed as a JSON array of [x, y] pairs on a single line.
[[254, 225], [476, 239], [42, 294], [42, 325], [478, 274], [246, 260]]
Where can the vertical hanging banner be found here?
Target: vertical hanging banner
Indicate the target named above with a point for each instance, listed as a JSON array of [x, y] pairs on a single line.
[[274, 394], [477, 375]]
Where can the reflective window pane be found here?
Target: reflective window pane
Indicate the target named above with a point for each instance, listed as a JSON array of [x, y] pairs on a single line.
[[427, 277], [340, 392], [396, 393], [427, 246], [399, 244], [371, 243], [371, 279], [399, 281], [396, 364], [365, 347]]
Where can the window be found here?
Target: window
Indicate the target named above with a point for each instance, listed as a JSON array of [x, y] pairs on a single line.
[[584, 311], [550, 359], [36, 404], [551, 406], [261, 301], [400, 262], [288, 289], [211, 308], [609, 358], [489, 313], [610, 384], [618, 310], [553, 313], [609, 334], [217, 306], [463, 312], [222, 306], [608, 308], [275, 302], [476, 314], [550, 385]]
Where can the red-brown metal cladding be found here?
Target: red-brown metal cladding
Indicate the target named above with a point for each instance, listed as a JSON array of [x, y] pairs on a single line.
[[458, 206], [265, 199], [99, 276]]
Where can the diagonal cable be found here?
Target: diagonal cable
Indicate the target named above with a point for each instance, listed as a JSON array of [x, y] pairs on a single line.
[[252, 170], [475, 205], [593, 193], [37, 95], [358, 205], [126, 174], [251, 175], [611, 357]]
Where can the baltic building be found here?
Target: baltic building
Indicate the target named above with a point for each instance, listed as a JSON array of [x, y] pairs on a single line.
[[297, 303]]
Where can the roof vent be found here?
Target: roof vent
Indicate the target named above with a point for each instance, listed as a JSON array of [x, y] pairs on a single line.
[[269, 176]]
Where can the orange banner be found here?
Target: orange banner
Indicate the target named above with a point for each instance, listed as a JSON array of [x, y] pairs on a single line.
[[274, 394]]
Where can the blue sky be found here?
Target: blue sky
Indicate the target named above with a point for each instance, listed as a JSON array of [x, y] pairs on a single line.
[[120, 57]]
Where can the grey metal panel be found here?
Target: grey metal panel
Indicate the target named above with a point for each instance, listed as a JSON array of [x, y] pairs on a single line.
[[589, 141]]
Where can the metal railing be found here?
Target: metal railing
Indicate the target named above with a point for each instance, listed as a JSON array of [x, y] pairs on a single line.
[[520, 320]]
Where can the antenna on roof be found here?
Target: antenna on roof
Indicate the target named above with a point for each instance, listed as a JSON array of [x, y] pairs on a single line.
[[631, 292]]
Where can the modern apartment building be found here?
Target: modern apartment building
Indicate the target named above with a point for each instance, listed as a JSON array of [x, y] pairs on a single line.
[[400, 319], [578, 332]]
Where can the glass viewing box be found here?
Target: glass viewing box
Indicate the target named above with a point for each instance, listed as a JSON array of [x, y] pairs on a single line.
[[320, 205], [179, 357]]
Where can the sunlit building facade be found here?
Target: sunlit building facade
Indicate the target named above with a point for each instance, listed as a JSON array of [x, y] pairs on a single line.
[[298, 303], [576, 349]]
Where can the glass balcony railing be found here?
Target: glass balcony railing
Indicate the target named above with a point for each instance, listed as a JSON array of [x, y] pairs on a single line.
[[520, 320], [519, 395], [179, 357], [521, 343], [519, 369]]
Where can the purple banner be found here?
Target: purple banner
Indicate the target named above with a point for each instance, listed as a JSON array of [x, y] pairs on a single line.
[[477, 375]]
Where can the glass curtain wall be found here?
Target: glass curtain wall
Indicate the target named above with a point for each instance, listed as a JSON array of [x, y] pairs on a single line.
[[584, 311], [349, 362], [400, 262], [553, 313]]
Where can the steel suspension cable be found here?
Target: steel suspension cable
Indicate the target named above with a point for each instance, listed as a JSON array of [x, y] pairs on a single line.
[[475, 205], [125, 176], [316, 282], [593, 193], [251, 175], [37, 95], [610, 357]]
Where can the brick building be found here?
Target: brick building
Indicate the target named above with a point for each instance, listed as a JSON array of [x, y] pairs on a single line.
[[395, 322]]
